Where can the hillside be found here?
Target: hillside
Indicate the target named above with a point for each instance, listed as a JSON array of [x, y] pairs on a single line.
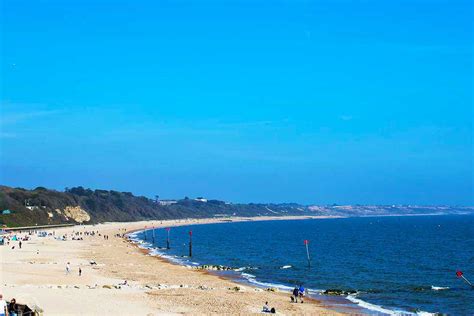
[[42, 206]]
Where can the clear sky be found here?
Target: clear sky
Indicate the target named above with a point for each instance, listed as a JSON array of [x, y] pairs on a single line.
[[264, 101]]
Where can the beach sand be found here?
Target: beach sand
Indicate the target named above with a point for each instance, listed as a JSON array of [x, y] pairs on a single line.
[[36, 275]]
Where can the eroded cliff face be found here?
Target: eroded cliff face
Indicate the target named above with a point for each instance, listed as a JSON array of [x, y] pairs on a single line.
[[76, 213]]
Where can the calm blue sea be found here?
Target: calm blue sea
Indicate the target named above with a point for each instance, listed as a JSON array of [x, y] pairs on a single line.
[[397, 264]]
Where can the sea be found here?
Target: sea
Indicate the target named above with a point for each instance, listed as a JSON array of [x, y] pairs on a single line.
[[398, 265]]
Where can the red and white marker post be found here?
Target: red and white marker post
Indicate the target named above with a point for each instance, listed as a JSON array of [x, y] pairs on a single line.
[[306, 242], [459, 274]]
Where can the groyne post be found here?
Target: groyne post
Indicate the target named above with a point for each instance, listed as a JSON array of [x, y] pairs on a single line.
[[190, 243]]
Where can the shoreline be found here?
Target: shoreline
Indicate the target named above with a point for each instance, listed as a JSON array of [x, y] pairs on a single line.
[[35, 275], [337, 303]]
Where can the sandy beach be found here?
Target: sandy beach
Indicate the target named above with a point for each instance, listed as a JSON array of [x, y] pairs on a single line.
[[36, 275]]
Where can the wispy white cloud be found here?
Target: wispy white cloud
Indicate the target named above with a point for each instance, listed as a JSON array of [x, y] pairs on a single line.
[[244, 124], [18, 117], [7, 135], [346, 117]]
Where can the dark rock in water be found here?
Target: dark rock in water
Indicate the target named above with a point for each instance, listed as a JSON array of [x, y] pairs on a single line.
[[338, 292], [214, 267], [419, 289]]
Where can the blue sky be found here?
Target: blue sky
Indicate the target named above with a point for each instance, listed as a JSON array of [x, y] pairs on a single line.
[[263, 101]]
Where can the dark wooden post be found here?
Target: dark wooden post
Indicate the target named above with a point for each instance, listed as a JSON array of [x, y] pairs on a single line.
[[190, 243]]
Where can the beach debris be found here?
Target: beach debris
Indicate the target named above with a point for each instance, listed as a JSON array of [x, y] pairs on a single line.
[[107, 286], [271, 289], [235, 288], [257, 289]]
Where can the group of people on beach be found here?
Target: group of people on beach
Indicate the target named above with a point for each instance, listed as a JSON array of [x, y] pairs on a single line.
[[8, 309], [298, 292]]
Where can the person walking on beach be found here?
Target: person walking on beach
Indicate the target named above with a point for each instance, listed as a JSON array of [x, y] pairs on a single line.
[[3, 306], [296, 293], [68, 268], [80, 271], [301, 293], [19, 244]]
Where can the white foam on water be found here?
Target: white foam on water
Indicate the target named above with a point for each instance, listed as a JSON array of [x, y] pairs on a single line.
[[245, 268], [370, 306], [286, 267], [439, 288], [380, 309], [252, 279]]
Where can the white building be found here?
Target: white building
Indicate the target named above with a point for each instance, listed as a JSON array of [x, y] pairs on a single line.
[[167, 202]]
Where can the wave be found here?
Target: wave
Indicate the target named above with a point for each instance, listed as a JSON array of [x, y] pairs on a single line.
[[245, 269], [286, 267], [439, 288], [380, 309]]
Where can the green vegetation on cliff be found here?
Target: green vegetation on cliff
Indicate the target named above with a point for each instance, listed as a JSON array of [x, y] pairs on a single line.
[[42, 206]]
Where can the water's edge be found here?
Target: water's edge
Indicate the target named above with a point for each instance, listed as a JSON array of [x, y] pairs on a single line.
[[348, 304]]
